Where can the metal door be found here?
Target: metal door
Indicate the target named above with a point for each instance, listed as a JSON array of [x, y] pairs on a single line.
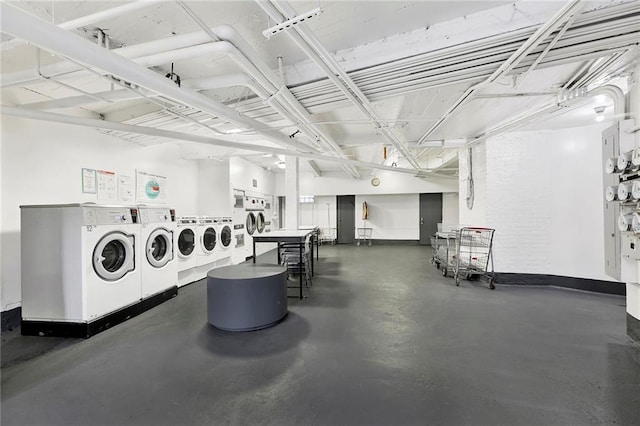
[[430, 216], [346, 205]]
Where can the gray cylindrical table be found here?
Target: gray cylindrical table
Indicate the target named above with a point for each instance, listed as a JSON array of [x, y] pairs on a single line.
[[246, 297]]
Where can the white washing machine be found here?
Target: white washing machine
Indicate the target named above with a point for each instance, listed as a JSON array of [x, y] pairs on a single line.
[[225, 241], [157, 256], [80, 271], [185, 244], [206, 245]]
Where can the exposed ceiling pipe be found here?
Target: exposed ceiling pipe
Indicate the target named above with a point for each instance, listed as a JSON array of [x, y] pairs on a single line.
[[40, 33], [264, 76], [199, 84], [179, 136], [570, 8], [92, 19], [318, 54]]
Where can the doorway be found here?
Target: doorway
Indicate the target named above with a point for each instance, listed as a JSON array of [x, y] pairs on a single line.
[[346, 227], [430, 216]]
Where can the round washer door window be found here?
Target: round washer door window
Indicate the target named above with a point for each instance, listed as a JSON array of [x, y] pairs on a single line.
[[186, 242], [251, 223], [159, 251], [209, 240], [113, 256], [225, 236], [260, 222]]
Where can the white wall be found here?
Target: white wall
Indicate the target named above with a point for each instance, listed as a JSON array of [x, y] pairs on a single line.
[[242, 173], [544, 197], [321, 213], [42, 162], [214, 183], [338, 183], [391, 217], [450, 208]]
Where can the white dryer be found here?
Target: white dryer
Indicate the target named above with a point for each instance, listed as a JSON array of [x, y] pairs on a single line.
[[254, 223], [240, 245], [206, 245], [157, 259], [80, 271], [185, 244]]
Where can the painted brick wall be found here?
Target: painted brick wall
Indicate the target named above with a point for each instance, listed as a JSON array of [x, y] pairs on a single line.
[[544, 197], [477, 216]]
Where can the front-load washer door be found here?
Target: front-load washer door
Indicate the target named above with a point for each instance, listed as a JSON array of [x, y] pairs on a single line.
[[159, 248], [186, 242], [260, 223], [251, 223], [208, 240], [113, 256], [225, 236]]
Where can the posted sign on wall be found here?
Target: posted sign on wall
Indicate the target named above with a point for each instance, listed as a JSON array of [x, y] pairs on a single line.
[[150, 188]]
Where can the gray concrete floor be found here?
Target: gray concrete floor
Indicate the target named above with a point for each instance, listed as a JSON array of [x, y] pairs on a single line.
[[383, 339]]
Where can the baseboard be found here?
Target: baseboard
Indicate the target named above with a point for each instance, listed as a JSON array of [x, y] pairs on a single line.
[[586, 284], [156, 299], [633, 327], [389, 242], [11, 319], [82, 330]]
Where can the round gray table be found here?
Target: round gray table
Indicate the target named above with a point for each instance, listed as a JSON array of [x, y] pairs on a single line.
[[246, 297]]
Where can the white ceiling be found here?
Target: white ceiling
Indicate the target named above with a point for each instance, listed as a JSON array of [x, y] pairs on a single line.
[[411, 60]]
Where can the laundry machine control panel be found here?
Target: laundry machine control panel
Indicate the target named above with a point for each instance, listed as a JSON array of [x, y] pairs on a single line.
[[157, 215], [254, 203], [109, 215]]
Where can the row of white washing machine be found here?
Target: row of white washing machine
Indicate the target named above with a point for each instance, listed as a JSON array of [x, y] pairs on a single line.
[[86, 267], [202, 243]]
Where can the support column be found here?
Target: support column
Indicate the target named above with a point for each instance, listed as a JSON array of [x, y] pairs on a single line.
[[633, 289], [292, 191]]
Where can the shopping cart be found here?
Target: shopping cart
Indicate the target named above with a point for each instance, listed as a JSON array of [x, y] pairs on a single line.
[[444, 251], [364, 235], [473, 254], [328, 236]]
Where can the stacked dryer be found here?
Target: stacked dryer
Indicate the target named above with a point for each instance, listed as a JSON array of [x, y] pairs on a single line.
[[239, 242], [157, 259], [254, 222], [185, 243], [80, 268]]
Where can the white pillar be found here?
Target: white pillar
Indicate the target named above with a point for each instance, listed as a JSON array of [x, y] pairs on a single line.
[[633, 289], [292, 191]]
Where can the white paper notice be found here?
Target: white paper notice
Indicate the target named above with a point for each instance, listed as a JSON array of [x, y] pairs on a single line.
[[89, 181], [125, 188], [107, 186], [150, 188]]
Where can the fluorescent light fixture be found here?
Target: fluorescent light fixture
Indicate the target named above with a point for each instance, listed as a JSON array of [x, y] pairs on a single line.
[[270, 32], [267, 155]]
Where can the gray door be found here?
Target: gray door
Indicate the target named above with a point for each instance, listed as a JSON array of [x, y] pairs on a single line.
[[430, 216], [346, 205]]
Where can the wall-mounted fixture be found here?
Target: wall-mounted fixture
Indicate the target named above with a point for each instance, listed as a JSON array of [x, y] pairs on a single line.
[[599, 110], [282, 165]]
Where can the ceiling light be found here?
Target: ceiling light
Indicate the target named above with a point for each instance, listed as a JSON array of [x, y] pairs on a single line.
[[267, 155], [282, 165], [270, 32], [599, 110]]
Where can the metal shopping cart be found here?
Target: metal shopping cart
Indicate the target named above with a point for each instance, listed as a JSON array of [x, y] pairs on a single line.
[[364, 235], [444, 251], [473, 254]]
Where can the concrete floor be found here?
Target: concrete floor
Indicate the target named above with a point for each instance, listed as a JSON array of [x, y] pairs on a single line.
[[383, 339]]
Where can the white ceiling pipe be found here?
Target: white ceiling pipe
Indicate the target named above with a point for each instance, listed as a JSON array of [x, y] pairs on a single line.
[[307, 42], [179, 136], [40, 33], [277, 88], [92, 19], [564, 13], [200, 84]]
